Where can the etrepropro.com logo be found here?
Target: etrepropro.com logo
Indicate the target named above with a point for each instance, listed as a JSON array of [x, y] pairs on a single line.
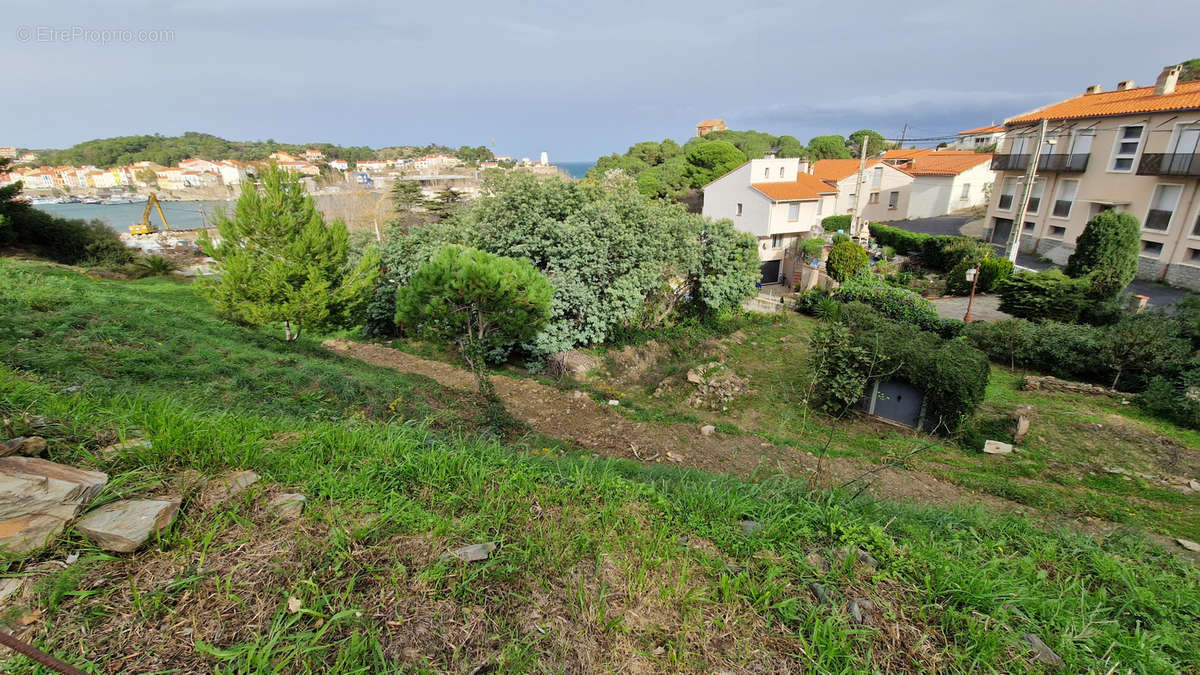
[[99, 36]]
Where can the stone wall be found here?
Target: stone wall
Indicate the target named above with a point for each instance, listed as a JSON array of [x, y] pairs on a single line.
[[1184, 276], [1150, 269]]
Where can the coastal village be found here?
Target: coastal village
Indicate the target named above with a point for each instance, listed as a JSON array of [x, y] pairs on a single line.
[[216, 178], [736, 403]]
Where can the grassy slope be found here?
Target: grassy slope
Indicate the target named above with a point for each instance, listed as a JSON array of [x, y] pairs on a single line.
[[1060, 469], [601, 564]]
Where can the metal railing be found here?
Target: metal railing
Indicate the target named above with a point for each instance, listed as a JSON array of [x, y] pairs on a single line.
[[1169, 164], [1061, 163]]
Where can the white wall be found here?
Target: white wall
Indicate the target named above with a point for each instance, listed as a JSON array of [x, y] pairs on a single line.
[[892, 180], [929, 196], [722, 196]]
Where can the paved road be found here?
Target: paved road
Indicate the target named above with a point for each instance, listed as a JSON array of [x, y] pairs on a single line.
[[1160, 295], [985, 308]]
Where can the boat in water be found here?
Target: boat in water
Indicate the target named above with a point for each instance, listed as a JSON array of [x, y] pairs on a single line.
[[47, 200]]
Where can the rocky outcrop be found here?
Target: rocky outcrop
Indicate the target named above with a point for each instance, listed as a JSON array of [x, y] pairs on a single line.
[[38, 498], [1051, 383], [572, 364], [716, 386]]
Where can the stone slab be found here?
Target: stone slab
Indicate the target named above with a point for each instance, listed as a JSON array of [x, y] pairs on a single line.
[[125, 525], [38, 497]]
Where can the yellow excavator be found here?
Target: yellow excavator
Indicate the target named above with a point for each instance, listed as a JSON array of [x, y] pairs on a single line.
[[145, 226]]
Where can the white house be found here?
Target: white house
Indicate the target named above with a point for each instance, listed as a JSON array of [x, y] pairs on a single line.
[[885, 187], [982, 137], [776, 200], [339, 164], [948, 181]]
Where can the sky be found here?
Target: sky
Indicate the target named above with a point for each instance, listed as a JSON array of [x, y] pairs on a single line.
[[576, 79]]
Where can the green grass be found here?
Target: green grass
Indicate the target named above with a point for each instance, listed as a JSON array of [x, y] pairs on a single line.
[[602, 564]]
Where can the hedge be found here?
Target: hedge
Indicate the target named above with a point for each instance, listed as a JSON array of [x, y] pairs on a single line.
[[1049, 294], [835, 223], [902, 240], [899, 304]]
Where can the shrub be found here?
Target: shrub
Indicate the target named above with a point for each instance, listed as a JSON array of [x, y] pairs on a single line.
[[944, 252], [846, 261], [839, 237], [899, 304], [155, 266], [902, 241], [812, 248], [835, 223], [1044, 295], [1107, 251], [806, 302], [1178, 402], [839, 366], [992, 271], [952, 374], [71, 242]]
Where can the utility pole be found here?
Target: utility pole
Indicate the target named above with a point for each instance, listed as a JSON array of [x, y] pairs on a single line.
[[903, 133], [862, 167], [1014, 236]]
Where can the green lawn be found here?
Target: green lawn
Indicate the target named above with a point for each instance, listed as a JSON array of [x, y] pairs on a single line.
[[601, 565]]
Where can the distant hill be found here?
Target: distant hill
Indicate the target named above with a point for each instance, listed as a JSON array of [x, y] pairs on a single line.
[[169, 150]]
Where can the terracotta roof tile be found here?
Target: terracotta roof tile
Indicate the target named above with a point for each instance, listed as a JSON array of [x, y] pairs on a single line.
[[837, 169], [947, 163], [992, 129], [1123, 102], [806, 186]]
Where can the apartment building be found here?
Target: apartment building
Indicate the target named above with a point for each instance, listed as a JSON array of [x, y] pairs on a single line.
[[979, 138], [1136, 149], [776, 200]]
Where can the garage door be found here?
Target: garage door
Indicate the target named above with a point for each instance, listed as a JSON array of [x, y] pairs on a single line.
[[770, 272]]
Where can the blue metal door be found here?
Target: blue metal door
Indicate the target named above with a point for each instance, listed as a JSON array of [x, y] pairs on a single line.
[[899, 401]]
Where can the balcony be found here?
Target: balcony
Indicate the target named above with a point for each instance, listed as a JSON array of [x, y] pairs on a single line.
[[1061, 163], [1169, 164]]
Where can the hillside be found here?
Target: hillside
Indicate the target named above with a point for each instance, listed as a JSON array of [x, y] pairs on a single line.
[[169, 150], [601, 564]]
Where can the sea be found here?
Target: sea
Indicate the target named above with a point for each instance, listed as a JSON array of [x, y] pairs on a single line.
[[189, 215], [180, 215]]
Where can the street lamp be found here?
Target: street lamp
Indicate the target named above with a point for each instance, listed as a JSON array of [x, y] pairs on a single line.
[[973, 277]]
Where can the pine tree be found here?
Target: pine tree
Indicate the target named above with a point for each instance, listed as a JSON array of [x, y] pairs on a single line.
[[281, 263], [1107, 250]]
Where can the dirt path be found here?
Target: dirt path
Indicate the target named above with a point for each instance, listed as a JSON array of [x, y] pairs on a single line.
[[575, 417]]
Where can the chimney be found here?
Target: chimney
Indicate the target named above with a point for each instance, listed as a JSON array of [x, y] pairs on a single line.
[[1124, 84], [1094, 89], [1167, 80]]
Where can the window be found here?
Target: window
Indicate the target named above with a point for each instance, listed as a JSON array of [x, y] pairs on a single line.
[[820, 205], [966, 192], [776, 240], [877, 177], [1184, 144], [793, 212], [1129, 140], [1058, 231], [874, 198], [1035, 197], [766, 172], [894, 198], [1029, 227], [1007, 193], [1019, 145], [1081, 144], [781, 172], [1066, 197], [1196, 227], [1151, 247], [1162, 207], [1194, 254], [739, 208]]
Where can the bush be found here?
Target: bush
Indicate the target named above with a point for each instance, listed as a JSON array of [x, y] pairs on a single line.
[[812, 248], [992, 271], [902, 241], [846, 261], [839, 237], [1177, 402], [952, 374], [71, 242], [1044, 295], [1107, 252], [898, 304], [806, 302], [839, 366], [835, 223], [944, 252]]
